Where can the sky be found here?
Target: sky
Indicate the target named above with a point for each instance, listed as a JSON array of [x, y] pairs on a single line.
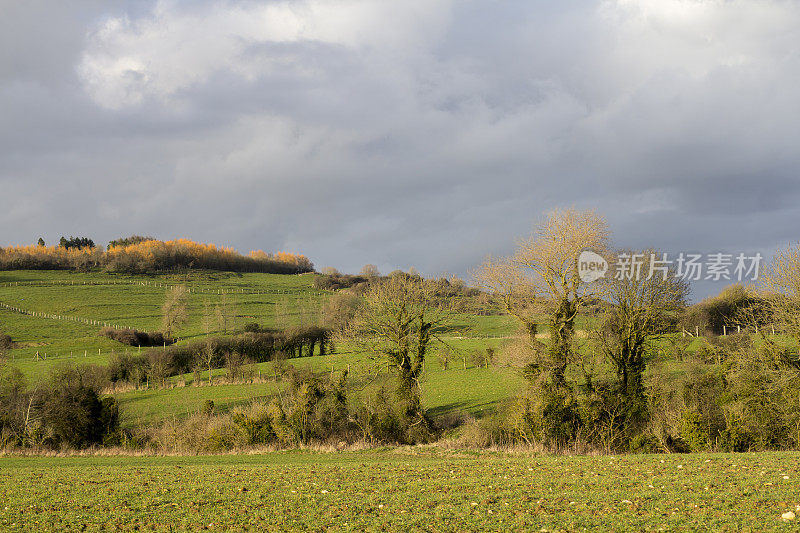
[[425, 133]]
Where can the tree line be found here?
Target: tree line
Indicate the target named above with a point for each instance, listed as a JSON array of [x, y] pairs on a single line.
[[138, 254]]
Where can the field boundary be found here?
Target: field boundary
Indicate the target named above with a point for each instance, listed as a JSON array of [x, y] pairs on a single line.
[[145, 283]]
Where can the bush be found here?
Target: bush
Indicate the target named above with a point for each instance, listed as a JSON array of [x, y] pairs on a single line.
[[130, 368], [14, 398], [6, 343], [249, 347], [73, 414], [712, 315], [379, 419], [313, 409], [252, 327], [334, 281], [133, 337]]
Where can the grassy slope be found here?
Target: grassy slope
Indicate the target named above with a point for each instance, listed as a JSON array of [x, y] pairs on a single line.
[[139, 306], [116, 300], [472, 390], [468, 390], [400, 490]]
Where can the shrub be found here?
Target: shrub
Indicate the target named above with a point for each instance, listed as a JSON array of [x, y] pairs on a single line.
[[133, 337], [6, 343], [334, 281], [252, 327], [14, 398], [712, 314], [72, 412], [131, 368]]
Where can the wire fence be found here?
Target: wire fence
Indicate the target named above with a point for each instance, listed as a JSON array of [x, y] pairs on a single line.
[[144, 283], [68, 318], [147, 283]]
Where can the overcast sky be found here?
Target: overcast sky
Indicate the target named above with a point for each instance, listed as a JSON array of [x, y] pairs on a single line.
[[415, 132]]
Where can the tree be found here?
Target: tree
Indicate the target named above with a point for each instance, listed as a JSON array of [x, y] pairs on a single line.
[[76, 242], [175, 311], [642, 309], [339, 310], [542, 277], [397, 322], [209, 356], [781, 278], [370, 271]]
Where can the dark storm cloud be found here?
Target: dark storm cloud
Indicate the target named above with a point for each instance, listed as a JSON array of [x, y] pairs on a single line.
[[425, 133]]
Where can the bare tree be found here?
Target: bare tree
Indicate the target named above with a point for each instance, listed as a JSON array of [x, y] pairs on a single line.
[[209, 356], [542, 277], [225, 315], [397, 323], [641, 309], [370, 271], [781, 282], [175, 310]]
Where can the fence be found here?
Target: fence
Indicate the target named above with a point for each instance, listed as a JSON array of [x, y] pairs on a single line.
[[146, 283]]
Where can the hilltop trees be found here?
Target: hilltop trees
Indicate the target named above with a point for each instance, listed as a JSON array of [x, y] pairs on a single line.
[[138, 254], [128, 241], [76, 242]]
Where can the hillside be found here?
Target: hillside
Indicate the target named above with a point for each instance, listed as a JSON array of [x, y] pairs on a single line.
[[58, 316]]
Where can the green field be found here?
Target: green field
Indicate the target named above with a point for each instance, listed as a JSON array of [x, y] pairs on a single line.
[[135, 301], [271, 300], [401, 489]]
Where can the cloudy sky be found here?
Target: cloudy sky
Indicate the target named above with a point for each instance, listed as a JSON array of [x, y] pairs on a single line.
[[415, 132]]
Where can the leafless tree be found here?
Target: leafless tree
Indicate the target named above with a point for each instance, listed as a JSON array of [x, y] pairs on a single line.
[[542, 277], [641, 309], [397, 323], [175, 310], [370, 271], [781, 282]]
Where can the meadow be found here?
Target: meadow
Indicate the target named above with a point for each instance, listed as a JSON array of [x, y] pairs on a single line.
[[401, 489], [272, 300]]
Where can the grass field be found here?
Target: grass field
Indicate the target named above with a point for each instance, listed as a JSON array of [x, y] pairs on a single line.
[[400, 490], [271, 300], [135, 301], [471, 390], [396, 489]]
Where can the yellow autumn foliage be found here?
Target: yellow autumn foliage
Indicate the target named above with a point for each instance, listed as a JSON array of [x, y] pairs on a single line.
[[152, 255]]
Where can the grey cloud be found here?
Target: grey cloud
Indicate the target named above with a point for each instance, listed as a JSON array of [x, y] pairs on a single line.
[[430, 150]]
